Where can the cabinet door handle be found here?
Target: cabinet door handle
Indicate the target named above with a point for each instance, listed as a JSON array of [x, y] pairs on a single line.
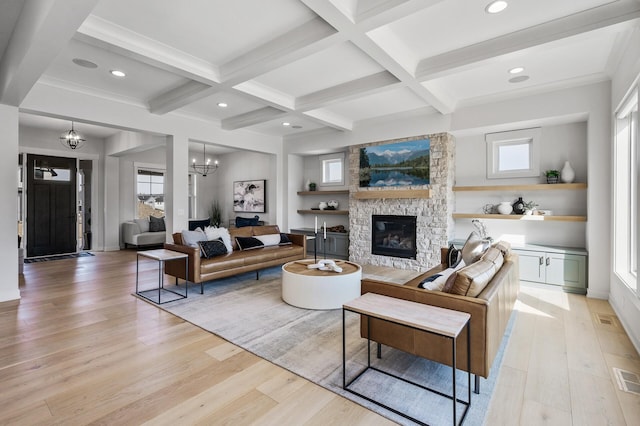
[[540, 259], [548, 261]]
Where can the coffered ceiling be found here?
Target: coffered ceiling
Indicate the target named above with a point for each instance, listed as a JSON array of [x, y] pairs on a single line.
[[319, 65]]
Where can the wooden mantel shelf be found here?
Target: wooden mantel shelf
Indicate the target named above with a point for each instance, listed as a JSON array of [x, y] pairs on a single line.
[[392, 193]]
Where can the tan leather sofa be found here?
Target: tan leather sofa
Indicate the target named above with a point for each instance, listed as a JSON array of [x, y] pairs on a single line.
[[237, 262], [490, 312]]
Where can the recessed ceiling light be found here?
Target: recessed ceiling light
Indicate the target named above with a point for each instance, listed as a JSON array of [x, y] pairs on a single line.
[[516, 70], [519, 79], [286, 124], [295, 126], [222, 104], [496, 6], [117, 73], [84, 63]]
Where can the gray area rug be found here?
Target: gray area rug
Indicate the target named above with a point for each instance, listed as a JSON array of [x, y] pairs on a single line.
[[251, 314]]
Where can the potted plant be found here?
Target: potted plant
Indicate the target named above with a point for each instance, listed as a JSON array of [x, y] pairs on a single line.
[[312, 186], [552, 176], [215, 214], [529, 206]]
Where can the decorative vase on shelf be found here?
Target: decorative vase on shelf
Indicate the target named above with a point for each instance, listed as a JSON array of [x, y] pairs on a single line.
[[306, 185], [518, 206], [567, 174], [505, 207], [322, 205]]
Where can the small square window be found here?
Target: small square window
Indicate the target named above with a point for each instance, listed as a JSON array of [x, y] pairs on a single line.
[[332, 169], [513, 154]]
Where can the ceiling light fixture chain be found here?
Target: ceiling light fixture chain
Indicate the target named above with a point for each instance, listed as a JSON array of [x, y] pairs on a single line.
[[71, 139], [206, 167]]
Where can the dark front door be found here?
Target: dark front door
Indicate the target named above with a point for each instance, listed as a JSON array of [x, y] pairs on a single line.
[[51, 205]]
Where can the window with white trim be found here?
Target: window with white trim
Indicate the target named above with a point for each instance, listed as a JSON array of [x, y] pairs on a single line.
[[149, 192], [513, 154], [626, 197], [332, 169]]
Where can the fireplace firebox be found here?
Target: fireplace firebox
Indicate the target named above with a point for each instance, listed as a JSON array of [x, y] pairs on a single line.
[[393, 236]]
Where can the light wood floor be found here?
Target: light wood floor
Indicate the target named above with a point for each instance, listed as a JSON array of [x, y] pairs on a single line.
[[79, 349]]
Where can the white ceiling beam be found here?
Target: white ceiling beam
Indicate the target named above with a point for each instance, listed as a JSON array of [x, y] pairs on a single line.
[[42, 31], [330, 119], [251, 118], [309, 38], [107, 35], [363, 86], [180, 96], [388, 12], [359, 38], [588, 20]]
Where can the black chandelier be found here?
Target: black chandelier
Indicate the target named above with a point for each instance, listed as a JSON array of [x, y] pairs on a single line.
[[71, 139], [205, 168]]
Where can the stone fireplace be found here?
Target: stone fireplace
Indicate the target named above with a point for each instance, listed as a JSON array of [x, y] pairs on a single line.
[[433, 214]]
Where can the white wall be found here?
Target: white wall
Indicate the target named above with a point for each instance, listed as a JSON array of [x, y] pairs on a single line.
[[557, 144], [624, 301], [245, 165], [8, 194]]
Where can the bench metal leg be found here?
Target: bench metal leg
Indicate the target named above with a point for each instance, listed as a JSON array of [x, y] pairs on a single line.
[[476, 387], [379, 354]]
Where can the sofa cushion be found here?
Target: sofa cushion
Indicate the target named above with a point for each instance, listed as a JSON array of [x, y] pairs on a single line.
[[473, 248], [212, 248], [191, 238], [248, 243], [504, 247], [494, 256], [156, 224], [472, 279], [266, 230], [143, 224], [239, 232], [214, 233]]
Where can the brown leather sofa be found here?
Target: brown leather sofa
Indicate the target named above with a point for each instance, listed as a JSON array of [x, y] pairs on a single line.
[[490, 312], [238, 261]]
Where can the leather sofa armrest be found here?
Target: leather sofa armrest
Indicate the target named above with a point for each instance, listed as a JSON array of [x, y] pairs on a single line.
[[129, 230], [176, 267], [299, 240]]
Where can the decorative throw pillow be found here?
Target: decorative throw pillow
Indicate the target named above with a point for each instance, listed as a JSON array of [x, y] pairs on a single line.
[[245, 231], [191, 238], [212, 248], [202, 224], [143, 224], [451, 280], [454, 257], [156, 224], [284, 240], [473, 248], [214, 233], [247, 221], [269, 240], [248, 243]]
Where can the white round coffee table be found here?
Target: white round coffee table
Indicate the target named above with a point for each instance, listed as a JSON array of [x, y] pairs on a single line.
[[314, 289]]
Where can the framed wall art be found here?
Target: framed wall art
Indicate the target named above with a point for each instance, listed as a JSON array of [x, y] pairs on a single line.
[[249, 196], [402, 163]]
